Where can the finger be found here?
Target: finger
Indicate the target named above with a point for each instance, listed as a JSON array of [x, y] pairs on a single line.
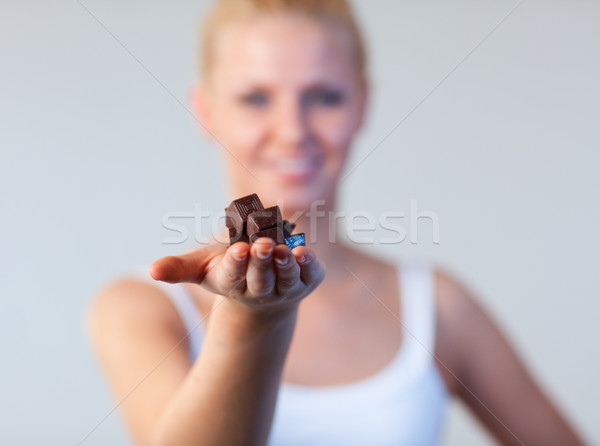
[[190, 267], [231, 274], [312, 272], [287, 270], [260, 276]]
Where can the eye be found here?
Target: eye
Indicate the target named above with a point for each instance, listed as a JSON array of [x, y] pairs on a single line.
[[327, 97], [255, 99]]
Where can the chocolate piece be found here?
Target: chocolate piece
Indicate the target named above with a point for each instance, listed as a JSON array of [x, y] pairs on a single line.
[[264, 219], [234, 236], [288, 228], [247, 220], [295, 240], [236, 215], [275, 233]]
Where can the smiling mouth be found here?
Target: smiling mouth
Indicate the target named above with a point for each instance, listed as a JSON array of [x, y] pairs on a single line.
[[296, 168]]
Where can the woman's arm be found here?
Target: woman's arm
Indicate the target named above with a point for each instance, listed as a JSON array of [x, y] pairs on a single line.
[[492, 380], [228, 395]]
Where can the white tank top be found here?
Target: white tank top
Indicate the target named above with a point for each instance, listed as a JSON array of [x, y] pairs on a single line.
[[402, 404]]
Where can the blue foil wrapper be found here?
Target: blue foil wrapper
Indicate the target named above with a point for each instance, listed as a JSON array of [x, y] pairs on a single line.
[[295, 240]]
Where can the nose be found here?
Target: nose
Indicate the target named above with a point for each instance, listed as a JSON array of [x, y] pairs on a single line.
[[290, 124]]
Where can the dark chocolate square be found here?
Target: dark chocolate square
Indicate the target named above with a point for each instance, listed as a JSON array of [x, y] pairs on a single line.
[[264, 219], [276, 234], [236, 215], [237, 236]]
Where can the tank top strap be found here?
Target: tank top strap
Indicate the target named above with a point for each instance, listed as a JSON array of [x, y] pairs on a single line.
[[418, 300], [189, 314], [184, 303]]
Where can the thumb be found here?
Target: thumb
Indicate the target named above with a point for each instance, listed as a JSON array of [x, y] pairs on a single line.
[[191, 267]]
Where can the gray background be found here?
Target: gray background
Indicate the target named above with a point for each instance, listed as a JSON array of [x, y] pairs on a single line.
[[94, 152]]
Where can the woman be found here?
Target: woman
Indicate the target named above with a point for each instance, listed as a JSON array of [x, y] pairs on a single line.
[[376, 350]]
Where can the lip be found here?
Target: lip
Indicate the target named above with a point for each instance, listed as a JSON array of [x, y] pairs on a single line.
[[295, 169]]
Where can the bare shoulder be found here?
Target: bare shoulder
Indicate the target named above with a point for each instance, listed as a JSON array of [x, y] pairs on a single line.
[[140, 341], [131, 301], [458, 309], [483, 369], [466, 335], [455, 310]]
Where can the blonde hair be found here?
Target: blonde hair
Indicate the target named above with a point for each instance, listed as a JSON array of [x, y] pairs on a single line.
[[224, 12]]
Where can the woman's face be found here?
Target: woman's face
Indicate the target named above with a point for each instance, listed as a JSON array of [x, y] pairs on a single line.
[[285, 98]]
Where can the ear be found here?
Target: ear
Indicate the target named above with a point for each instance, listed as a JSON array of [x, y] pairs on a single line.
[[199, 101]]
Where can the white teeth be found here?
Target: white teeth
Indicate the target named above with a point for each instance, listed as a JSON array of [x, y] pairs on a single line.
[[294, 166]]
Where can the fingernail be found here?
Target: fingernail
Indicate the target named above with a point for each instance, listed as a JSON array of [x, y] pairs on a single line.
[[303, 259], [263, 255], [240, 255], [283, 261]]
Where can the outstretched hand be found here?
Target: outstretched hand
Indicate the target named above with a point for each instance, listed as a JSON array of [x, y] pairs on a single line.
[[262, 275]]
